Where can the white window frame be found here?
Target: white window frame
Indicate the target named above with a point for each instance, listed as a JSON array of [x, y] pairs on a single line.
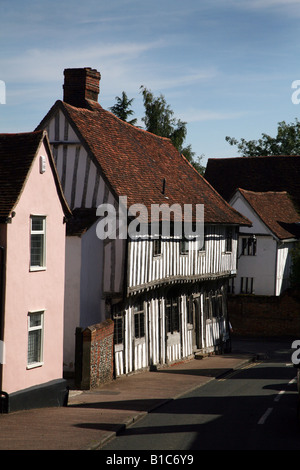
[[42, 232], [31, 365]]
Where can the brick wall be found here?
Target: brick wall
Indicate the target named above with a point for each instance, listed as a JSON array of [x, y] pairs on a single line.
[[94, 355], [255, 315]]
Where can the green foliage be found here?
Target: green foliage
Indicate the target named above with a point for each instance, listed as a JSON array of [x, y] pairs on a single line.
[[286, 142], [122, 108], [193, 159], [159, 119], [295, 269]]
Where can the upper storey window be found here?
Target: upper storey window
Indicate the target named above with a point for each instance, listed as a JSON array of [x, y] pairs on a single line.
[[228, 240], [37, 242]]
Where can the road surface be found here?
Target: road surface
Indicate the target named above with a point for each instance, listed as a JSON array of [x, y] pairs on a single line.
[[253, 408]]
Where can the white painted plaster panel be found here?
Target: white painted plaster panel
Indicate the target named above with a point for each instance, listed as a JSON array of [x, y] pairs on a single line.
[[261, 267]]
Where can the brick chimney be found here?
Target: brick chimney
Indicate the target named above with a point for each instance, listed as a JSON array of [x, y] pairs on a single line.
[[81, 85]]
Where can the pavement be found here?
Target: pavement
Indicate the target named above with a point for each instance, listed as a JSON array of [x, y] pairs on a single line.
[[93, 417]]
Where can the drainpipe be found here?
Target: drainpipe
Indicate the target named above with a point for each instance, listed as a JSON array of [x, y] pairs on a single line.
[[276, 266], [2, 293]]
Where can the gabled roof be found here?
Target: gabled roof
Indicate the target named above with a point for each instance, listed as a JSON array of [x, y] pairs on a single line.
[[265, 173], [138, 164], [17, 154], [276, 210]]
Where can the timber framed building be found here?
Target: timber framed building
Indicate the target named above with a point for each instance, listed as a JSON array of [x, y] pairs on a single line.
[[167, 299]]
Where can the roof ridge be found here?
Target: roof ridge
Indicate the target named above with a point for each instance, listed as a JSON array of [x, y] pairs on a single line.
[[96, 107], [16, 134], [261, 192], [253, 157]]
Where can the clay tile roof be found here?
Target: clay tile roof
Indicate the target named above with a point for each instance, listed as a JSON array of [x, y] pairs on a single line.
[[136, 163], [17, 152], [276, 210], [265, 173]]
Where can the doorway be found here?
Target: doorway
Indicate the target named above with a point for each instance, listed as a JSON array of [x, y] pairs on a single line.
[[197, 321]]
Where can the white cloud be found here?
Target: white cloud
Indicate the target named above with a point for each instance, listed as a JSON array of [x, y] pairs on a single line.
[[270, 3], [39, 65], [286, 7], [38, 73], [182, 80]]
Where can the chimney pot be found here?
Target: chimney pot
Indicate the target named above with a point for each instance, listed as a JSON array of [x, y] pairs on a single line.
[[81, 84]]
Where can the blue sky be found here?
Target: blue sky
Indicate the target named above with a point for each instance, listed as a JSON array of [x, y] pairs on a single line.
[[225, 67]]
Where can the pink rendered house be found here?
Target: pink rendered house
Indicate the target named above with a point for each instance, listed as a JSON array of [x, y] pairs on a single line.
[[32, 239]]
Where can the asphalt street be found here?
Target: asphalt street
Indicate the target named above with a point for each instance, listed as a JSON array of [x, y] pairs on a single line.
[[250, 408]]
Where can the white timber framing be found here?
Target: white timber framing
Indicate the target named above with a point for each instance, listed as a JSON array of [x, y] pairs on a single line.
[[196, 282], [134, 277]]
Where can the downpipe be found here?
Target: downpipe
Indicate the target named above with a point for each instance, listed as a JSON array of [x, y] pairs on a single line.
[[3, 395]]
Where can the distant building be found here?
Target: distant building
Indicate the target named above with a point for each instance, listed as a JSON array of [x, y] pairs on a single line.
[[264, 256], [266, 190]]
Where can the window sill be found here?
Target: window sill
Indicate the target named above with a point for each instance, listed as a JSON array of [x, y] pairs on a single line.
[[34, 365], [37, 268]]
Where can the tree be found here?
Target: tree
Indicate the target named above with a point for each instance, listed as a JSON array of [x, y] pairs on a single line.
[[122, 108], [193, 159], [286, 142], [159, 119]]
